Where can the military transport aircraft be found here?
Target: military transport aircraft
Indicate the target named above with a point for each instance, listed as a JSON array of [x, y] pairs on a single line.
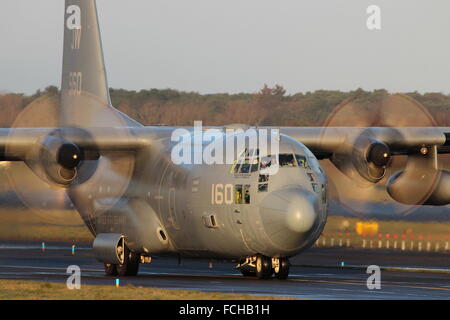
[[260, 208]]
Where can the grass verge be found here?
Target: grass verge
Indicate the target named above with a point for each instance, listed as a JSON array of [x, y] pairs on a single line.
[[29, 290]]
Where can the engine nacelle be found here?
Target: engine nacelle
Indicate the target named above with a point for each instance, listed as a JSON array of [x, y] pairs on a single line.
[[366, 157], [60, 159], [109, 248], [429, 187]]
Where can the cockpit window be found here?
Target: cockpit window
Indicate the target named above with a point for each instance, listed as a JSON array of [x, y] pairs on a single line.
[[254, 161], [287, 160], [250, 161], [313, 161], [315, 164], [247, 162], [266, 162], [302, 161], [245, 167], [269, 164]]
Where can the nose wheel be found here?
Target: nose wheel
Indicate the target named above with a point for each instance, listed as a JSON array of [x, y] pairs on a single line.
[[263, 267], [281, 268]]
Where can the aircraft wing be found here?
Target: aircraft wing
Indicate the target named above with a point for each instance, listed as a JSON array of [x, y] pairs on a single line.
[[17, 144], [324, 141]]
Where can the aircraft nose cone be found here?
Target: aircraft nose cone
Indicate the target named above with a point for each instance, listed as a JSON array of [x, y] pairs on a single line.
[[289, 217], [300, 213]]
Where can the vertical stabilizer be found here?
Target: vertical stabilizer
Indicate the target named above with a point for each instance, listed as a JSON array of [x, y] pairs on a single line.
[[85, 95]]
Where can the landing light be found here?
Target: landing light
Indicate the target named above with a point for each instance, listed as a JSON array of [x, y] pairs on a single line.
[[424, 150]]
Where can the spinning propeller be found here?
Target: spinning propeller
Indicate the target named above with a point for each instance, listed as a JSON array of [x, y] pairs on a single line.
[[364, 168], [59, 173]]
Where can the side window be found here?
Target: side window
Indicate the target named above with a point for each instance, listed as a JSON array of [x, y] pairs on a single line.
[[242, 194], [263, 187], [246, 194], [316, 187], [238, 194], [324, 193], [263, 183], [302, 161]]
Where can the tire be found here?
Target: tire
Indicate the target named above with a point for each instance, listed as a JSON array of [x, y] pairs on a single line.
[[130, 266], [263, 267], [110, 269], [283, 272], [133, 264], [248, 273]]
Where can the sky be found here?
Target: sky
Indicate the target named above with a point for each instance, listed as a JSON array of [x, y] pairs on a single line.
[[212, 46]]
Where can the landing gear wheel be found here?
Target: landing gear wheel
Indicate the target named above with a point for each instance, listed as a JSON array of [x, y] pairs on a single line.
[[133, 264], [130, 265], [110, 269], [248, 273], [263, 267], [282, 272]]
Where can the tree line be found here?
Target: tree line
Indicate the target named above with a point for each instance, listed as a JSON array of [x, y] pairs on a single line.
[[270, 106]]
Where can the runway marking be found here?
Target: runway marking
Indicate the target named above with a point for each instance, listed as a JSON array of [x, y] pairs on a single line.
[[224, 276], [364, 284], [38, 247], [385, 268], [47, 268]]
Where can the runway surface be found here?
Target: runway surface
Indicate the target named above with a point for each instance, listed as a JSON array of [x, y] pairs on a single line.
[[317, 274]]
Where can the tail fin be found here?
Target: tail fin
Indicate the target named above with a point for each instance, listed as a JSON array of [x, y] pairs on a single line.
[[85, 100]]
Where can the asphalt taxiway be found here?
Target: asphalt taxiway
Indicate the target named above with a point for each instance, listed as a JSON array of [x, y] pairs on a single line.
[[317, 274]]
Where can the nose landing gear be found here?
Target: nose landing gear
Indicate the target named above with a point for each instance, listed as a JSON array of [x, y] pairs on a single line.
[[264, 267], [281, 267]]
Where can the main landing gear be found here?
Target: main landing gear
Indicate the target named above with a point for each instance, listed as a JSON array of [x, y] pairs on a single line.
[[264, 267], [129, 267]]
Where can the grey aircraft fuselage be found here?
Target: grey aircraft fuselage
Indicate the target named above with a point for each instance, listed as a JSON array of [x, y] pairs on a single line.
[[207, 210]]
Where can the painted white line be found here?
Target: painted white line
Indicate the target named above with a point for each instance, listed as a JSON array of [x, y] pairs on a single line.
[[386, 268], [13, 247], [47, 268]]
